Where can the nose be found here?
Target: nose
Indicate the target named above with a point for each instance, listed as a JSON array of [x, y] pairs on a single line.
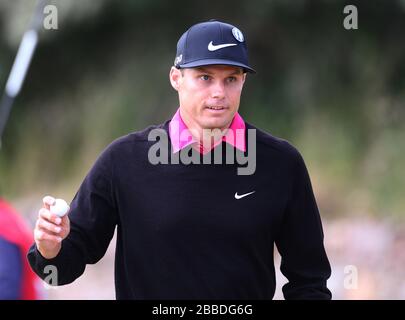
[[218, 90]]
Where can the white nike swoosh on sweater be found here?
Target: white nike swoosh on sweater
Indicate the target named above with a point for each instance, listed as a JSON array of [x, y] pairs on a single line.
[[240, 196], [212, 47]]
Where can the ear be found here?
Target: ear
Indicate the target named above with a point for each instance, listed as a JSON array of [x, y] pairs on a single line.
[[175, 78]]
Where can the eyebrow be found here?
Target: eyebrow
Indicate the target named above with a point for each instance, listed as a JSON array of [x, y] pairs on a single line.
[[204, 70]]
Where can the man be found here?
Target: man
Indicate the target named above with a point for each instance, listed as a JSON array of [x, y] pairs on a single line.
[[194, 230], [17, 281]]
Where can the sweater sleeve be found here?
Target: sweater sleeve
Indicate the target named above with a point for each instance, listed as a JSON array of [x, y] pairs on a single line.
[[300, 241], [93, 218]]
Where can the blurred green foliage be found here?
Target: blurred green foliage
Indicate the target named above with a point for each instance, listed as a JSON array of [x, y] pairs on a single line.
[[336, 94]]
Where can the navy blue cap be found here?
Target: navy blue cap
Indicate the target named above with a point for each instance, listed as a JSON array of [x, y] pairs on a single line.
[[212, 42]]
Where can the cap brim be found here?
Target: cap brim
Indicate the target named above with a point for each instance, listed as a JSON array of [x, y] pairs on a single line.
[[208, 62]]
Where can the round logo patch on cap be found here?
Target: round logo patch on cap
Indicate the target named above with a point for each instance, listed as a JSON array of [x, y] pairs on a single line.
[[238, 34], [178, 60]]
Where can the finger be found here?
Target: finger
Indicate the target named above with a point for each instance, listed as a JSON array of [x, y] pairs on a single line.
[[48, 201], [49, 232], [38, 226], [65, 219], [46, 225], [47, 215], [41, 235]]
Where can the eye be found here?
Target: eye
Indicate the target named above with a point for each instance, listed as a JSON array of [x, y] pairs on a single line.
[[205, 77], [232, 79]]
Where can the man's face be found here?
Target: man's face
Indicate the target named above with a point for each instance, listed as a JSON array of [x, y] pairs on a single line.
[[209, 96]]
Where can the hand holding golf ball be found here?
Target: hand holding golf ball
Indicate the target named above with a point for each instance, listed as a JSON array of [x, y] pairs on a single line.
[[52, 226]]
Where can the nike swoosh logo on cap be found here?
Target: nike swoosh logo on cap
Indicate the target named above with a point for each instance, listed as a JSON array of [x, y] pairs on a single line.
[[237, 196], [212, 47]]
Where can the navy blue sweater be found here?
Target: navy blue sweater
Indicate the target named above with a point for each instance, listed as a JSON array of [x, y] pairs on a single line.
[[182, 234]]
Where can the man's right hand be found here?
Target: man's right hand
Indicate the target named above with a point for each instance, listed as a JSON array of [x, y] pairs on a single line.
[[50, 230]]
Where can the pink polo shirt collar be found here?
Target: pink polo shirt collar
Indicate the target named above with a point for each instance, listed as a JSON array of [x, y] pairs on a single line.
[[180, 138]]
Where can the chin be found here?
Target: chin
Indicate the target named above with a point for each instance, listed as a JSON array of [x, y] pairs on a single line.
[[216, 123]]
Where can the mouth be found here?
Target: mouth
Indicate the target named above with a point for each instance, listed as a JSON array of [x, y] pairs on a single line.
[[216, 108]]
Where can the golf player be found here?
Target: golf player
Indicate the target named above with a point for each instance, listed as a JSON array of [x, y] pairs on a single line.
[[198, 201]]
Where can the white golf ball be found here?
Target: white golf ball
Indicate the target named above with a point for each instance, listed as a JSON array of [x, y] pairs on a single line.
[[60, 207]]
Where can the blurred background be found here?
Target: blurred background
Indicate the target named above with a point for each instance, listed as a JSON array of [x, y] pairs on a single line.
[[336, 94]]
